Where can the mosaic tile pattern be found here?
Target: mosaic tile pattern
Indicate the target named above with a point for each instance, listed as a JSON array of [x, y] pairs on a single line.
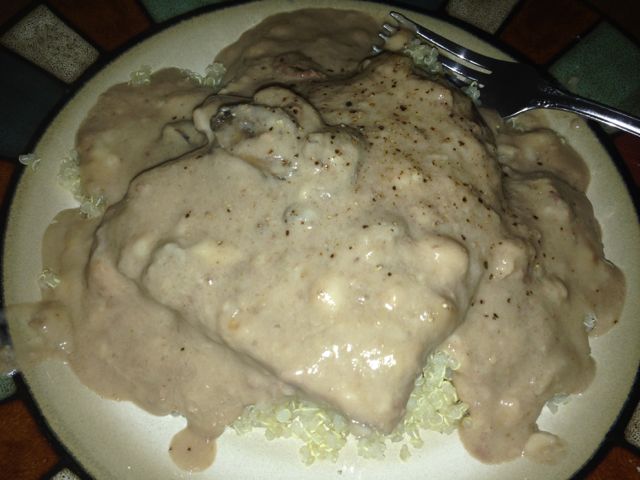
[[161, 10], [28, 95], [541, 29], [44, 39], [604, 66], [487, 15], [108, 24], [625, 13]]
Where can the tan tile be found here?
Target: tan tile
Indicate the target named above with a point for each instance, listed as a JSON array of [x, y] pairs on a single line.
[[487, 15], [44, 39]]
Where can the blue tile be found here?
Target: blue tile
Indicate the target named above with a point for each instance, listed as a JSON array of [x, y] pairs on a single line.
[[27, 97]]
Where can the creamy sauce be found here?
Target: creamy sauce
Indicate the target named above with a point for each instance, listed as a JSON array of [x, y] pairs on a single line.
[[192, 451], [321, 238]]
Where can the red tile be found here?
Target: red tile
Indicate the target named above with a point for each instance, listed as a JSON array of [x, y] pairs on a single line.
[[619, 463], [11, 8], [108, 24], [7, 169], [25, 452], [540, 29], [629, 147], [623, 13]]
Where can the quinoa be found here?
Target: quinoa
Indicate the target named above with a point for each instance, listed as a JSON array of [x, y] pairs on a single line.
[[323, 432]]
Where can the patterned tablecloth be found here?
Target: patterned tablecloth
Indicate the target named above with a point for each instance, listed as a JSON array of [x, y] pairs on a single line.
[[46, 46]]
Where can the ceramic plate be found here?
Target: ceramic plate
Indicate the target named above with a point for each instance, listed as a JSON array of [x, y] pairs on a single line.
[[117, 440]]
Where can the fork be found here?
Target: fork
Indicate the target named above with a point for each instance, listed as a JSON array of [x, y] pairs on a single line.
[[508, 87]]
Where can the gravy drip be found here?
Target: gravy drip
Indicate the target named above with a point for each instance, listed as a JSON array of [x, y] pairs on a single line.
[[318, 229]]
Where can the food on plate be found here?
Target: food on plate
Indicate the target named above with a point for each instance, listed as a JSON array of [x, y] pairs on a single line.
[[325, 245]]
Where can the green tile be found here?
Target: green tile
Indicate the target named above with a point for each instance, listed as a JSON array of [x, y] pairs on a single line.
[[7, 363], [604, 66], [161, 10], [7, 387]]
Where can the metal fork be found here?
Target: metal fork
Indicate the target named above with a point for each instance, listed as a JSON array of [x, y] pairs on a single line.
[[508, 87]]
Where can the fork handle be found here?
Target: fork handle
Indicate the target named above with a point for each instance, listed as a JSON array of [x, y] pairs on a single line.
[[561, 100]]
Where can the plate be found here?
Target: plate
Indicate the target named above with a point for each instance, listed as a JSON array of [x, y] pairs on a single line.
[[116, 440]]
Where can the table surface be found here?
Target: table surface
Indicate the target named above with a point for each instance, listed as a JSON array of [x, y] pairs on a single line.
[[571, 39]]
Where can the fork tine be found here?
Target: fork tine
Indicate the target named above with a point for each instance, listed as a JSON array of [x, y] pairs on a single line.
[[470, 73], [389, 29], [447, 45], [386, 31]]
